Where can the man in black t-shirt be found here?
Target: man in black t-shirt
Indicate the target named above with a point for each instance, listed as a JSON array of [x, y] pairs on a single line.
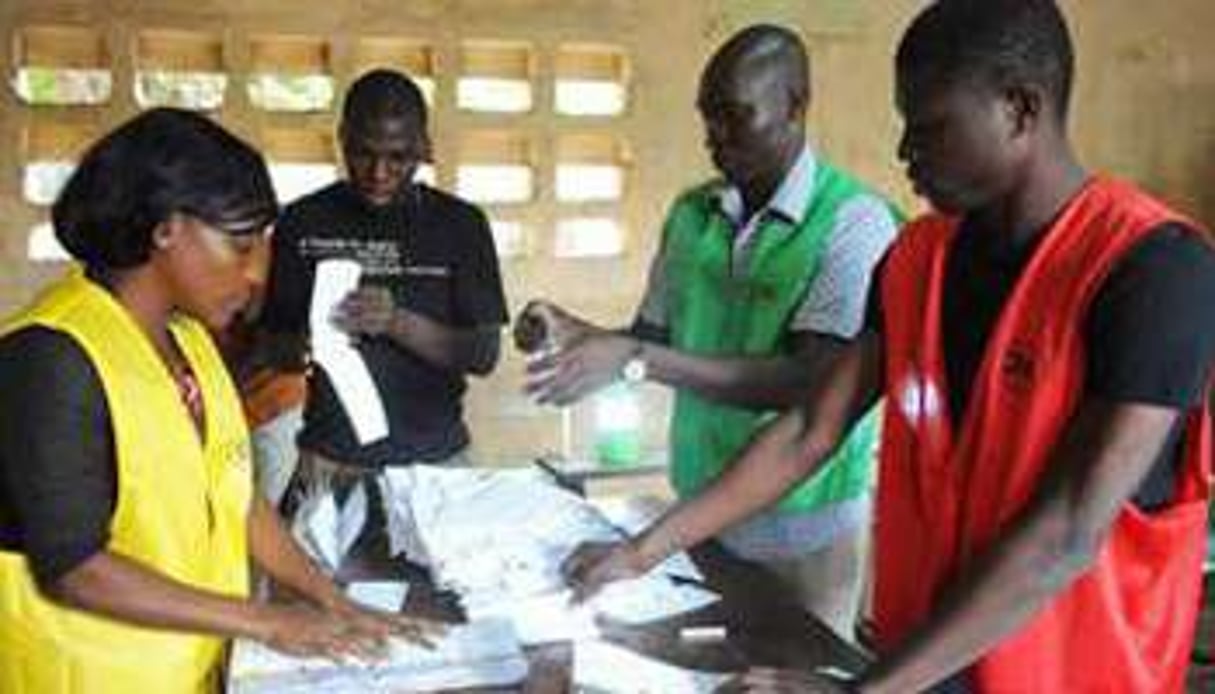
[[430, 304]]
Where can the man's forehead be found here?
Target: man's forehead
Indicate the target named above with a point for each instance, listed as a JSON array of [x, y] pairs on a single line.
[[382, 130], [735, 84]]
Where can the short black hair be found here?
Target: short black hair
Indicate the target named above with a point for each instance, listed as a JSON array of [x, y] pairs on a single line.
[[999, 43], [380, 94], [770, 47], [161, 162]]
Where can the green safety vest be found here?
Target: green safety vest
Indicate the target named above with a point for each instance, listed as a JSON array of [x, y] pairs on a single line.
[[712, 311]]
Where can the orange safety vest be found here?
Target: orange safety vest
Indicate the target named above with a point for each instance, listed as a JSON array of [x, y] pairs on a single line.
[[948, 490]]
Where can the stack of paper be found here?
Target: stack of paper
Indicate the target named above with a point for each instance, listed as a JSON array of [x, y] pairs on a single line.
[[498, 538], [478, 654]]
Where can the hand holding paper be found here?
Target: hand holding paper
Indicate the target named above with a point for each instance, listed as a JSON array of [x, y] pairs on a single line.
[[592, 565], [366, 311]]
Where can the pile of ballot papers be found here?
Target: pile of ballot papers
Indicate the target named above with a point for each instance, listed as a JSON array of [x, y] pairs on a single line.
[[497, 538]]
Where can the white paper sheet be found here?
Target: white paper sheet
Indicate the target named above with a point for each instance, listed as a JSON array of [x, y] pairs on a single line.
[[648, 599], [386, 596], [478, 654], [331, 350], [604, 667], [540, 619], [328, 531], [498, 538]]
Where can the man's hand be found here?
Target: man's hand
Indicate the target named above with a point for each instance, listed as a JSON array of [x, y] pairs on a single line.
[[366, 311], [592, 565], [571, 373], [774, 681], [543, 322]]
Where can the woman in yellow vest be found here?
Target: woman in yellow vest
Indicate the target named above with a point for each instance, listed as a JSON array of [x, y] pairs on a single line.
[[126, 519]]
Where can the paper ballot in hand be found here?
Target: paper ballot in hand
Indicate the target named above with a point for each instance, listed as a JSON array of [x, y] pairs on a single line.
[[332, 351]]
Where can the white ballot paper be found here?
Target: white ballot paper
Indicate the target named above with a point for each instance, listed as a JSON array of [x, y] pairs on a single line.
[[538, 619], [478, 654], [386, 596], [498, 538], [331, 349], [600, 666], [326, 530]]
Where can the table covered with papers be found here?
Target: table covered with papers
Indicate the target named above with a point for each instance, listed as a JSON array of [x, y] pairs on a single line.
[[482, 548]]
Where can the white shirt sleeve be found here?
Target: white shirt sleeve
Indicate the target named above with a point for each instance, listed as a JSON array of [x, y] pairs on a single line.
[[836, 299]]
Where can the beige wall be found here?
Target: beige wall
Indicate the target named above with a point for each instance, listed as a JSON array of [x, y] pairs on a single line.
[[1145, 107]]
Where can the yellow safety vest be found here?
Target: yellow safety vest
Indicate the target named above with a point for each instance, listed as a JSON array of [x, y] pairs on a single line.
[[181, 510]]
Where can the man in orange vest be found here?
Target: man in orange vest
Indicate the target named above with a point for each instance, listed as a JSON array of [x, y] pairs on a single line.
[[1047, 445]]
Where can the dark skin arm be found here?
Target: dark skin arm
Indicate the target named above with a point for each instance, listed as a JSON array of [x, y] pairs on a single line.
[[111, 584], [590, 357], [788, 451], [277, 553], [1106, 453], [371, 311]]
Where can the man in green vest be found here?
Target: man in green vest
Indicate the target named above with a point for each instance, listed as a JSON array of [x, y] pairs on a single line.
[[760, 279]]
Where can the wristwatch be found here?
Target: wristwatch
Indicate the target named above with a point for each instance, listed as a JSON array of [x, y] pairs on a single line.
[[634, 370]]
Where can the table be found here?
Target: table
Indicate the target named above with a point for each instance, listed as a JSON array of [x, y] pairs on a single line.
[[764, 624]]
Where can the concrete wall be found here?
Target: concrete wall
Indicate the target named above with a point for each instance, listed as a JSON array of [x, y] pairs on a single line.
[[1145, 108]]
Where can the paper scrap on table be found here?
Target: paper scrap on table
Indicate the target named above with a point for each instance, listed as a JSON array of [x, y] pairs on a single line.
[[326, 530], [332, 351], [386, 596], [540, 619], [477, 654], [603, 666], [498, 538], [649, 598]]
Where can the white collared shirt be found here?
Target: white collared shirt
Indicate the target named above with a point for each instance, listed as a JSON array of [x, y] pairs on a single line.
[[835, 301], [790, 202]]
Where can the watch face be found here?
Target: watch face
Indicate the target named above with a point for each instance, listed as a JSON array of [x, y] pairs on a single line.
[[634, 370]]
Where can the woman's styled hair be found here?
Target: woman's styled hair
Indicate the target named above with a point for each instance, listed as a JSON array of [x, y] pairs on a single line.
[[161, 162]]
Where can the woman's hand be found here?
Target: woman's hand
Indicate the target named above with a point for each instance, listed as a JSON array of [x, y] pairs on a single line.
[[307, 632], [381, 625]]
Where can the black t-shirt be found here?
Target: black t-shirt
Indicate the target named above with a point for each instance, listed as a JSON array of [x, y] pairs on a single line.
[[1150, 335], [436, 253], [57, 468]]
